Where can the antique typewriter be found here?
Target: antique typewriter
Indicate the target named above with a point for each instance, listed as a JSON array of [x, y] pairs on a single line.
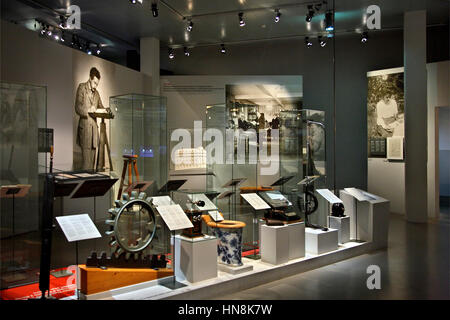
[[281, 211]]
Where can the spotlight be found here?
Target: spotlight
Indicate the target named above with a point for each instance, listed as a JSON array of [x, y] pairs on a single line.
[[155, 9], [171, 54], [88, 49], [190, 26], [56, 37], [364, 37], [62, 37], [136, 1], [310, 14], [62, 22], [322, 41], [329, 25], [48, 31], [222, 49], [241, 19], [277, 15], [99, 49], [308, 43], [186, 52], [43, 30]]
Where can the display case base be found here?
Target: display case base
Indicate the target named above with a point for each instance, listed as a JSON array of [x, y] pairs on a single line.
[[235, 270], [94, 280]]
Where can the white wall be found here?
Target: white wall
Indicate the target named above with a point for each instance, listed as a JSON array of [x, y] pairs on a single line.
[[27, 58], [387, 179]]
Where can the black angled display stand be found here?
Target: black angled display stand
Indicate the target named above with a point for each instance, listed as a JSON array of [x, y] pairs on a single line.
[[84, 187]]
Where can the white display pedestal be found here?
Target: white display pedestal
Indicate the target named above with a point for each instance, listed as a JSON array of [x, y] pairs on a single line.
[[342, 224], [274, 244], [318, 241], [234, 270], [369, 219], [196, 258], [296, 240], [279, 244]]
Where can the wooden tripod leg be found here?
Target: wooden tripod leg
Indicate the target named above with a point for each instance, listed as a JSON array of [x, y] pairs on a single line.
[[124, 171], [136, 170], [130, 175]]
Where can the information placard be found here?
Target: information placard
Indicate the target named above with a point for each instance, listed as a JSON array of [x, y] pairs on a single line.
[[161, 201], [255, 201], [329, 196], [174, 217], [78, 227], [360, 195], [209, 205], [215, 215]]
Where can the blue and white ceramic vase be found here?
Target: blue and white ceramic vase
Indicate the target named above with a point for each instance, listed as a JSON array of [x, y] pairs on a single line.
[[230, 246]]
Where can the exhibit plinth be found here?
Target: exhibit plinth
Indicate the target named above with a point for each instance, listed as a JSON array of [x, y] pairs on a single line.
[[369, 216], [342, 224], [274, 244], [296, 240], [196, 258], [235, 269], [95, 280], [318, 241]]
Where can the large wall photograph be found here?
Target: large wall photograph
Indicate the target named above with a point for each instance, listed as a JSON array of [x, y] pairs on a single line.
[[385, 111]]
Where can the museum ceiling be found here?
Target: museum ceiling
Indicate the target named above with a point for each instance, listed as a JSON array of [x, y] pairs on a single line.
[[118, 25]]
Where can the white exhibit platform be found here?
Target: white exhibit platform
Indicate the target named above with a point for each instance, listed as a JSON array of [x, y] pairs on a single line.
[[342, 224], [195, 258], [369, 219], [369, 223], [226, 283], [318, 241], [235, 270], [279, 244]]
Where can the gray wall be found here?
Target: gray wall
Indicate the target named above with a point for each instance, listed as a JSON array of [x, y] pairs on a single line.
[[291, 57]]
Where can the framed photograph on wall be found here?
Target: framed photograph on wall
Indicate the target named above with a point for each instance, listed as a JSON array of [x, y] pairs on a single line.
[[395, 148]]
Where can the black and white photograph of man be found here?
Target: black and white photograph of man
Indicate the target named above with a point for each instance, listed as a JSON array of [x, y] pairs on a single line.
[[88, 101]]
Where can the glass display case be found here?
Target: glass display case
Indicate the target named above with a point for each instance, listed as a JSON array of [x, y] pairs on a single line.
[[139, 131], [23, 157], [301, 153]]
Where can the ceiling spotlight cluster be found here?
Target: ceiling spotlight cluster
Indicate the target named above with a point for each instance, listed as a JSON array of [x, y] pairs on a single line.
[[59, 34]]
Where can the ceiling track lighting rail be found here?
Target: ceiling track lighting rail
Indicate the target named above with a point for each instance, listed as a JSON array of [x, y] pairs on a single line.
[[61, 35], [55, 14], [278, 7]]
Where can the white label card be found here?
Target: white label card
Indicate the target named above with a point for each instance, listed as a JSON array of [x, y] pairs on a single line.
[[360, 195], [329, 196], [174, 217], [255, 201], [78, 227], [201, 196], [215, 215], [162, 201]]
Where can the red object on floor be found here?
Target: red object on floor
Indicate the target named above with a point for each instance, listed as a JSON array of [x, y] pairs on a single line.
[[250, 252], [59, 288]]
